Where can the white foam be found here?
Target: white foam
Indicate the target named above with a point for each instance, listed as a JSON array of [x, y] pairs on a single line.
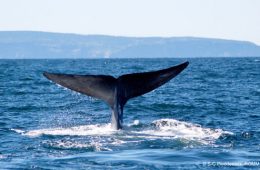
[[66, 144], [160, 129], [170, 128], [2, 156], [86, 130], [135, 123], [18, 131]]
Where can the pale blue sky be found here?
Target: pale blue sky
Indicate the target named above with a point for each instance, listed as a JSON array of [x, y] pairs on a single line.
[[228, 19]]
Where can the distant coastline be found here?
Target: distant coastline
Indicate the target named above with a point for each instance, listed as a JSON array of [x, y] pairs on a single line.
[[45, 45]]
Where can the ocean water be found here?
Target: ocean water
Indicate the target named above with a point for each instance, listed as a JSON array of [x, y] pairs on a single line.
[[207, 117]]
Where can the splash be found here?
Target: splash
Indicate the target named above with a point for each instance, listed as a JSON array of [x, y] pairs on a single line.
[[171, 128], [167, 129], [86, 130]]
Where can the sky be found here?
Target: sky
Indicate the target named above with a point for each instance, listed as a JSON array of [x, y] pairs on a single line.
[[226, 19]]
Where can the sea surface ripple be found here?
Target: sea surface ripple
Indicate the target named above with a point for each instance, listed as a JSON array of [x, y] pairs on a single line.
[[207, 117]]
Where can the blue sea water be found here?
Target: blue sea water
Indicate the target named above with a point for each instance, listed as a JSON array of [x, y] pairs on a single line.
[[207, 117]]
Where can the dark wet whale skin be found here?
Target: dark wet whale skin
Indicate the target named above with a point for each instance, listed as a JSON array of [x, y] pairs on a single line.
[[116, 91]]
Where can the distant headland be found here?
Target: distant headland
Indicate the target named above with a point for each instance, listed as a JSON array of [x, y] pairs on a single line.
[[45, 45]]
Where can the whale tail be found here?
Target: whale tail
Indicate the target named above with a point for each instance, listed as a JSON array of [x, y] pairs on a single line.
[[98, 86], [116, 91]]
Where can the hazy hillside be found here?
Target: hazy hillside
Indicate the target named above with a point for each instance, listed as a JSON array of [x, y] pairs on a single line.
[[27, 44]]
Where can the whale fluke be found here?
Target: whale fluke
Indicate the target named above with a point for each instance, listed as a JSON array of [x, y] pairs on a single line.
[[98, 86], [116, 91], [137, 84]]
